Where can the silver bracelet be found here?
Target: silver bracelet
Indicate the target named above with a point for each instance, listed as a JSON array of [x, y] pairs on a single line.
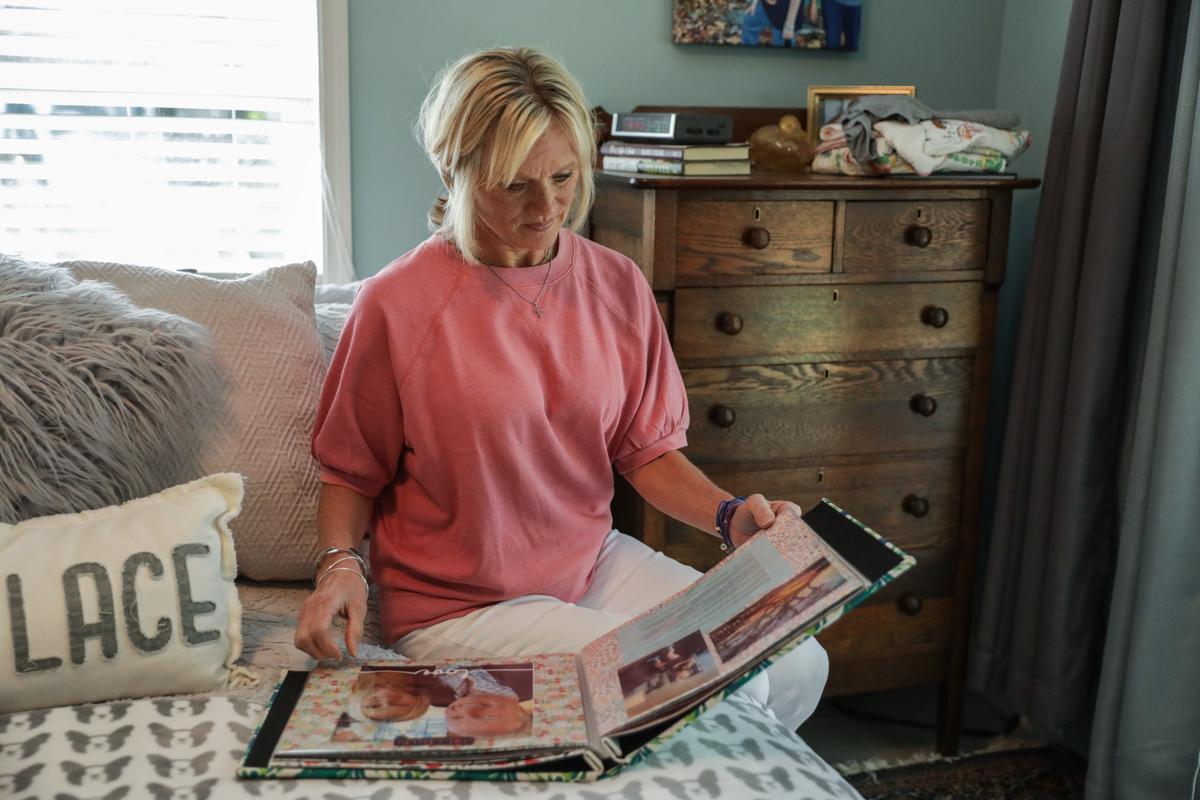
[[337, 561], [351, 553], [361, 577]]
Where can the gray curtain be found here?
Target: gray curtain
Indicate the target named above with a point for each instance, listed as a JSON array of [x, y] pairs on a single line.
[[1146, 734], [1064, 515]]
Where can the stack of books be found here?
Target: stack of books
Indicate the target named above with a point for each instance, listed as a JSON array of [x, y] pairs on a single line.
[[676, 159]]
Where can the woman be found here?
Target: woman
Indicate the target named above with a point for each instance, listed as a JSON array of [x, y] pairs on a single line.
[[484, 387]]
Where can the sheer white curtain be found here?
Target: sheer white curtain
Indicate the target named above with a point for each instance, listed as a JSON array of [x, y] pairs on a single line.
[[170, 133], [335, 140]]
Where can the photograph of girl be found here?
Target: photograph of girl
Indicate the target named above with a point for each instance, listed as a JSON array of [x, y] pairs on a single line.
[[447, 705]]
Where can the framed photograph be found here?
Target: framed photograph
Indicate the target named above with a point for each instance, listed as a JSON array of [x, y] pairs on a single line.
[[799, 24], [825, 103]]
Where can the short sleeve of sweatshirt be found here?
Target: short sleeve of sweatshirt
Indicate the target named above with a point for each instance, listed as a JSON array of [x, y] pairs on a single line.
[[656, 408], [359, 432]]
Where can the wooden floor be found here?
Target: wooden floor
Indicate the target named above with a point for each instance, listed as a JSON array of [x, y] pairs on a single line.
[[846, 740]]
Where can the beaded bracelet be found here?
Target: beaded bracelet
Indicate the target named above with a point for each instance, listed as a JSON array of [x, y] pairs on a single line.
[[725, 511], [350, 553]]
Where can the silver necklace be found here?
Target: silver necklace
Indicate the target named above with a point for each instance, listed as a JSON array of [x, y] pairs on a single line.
[[535, 302]]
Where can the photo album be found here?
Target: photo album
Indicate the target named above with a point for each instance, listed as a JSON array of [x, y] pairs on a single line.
[[578, 716]]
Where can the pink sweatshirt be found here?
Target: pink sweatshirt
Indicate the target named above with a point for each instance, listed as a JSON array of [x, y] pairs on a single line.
[[487, 434]]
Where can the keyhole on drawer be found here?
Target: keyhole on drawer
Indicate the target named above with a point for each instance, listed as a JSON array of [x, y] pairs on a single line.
[[825, 373], [821, 475], [836, 295], [757, 213], [921, 216]]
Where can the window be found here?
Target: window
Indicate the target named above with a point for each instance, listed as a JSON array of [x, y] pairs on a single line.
[[175, 134]]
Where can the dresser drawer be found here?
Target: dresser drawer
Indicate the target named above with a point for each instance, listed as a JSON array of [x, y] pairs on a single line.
[[879, 646], [765, 237], [932, 576], [914, 503], [915, 235], [789, 411], [787, 323]]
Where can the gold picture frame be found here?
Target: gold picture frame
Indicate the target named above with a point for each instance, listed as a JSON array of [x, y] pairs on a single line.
[[826, 102]]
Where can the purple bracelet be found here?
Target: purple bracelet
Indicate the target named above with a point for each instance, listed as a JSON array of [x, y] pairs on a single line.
[[725, 511]]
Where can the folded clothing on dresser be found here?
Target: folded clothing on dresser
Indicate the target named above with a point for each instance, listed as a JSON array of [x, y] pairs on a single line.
[[895, 134]]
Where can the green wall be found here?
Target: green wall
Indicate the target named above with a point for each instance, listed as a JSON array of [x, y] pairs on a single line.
[[959, 54], [1031, 54], [621, 51]]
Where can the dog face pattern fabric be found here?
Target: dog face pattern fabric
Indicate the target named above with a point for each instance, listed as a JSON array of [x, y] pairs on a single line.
[[189, 748]]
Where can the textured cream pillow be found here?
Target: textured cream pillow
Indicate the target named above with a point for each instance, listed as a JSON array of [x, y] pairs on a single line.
[[265, 337], [124, 601]]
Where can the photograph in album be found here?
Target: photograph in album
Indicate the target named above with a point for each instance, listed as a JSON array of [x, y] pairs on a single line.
[[776, 609], [447, 705], [666, 673]]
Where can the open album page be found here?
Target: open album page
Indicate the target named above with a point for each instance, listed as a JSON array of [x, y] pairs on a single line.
[[773, 586], [437, 711]]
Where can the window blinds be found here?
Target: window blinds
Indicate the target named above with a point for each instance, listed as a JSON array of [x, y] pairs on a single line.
[[175, 134]]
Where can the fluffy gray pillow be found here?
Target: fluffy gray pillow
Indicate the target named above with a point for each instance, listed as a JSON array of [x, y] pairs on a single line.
[[100, 401]]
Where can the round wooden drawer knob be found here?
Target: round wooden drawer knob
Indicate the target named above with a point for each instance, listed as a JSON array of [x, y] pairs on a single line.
[[758, 238], [729, 323], [935, 316], [917, 506], [910, 604], [923, 404], [918, 236], [722, 416]]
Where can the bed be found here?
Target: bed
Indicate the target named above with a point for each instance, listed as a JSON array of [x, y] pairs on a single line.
[[189, 746]]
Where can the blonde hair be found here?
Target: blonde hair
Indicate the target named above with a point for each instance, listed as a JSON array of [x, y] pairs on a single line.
[[481, 119]]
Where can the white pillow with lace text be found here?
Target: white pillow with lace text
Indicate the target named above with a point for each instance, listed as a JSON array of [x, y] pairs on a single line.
[[125, 601]]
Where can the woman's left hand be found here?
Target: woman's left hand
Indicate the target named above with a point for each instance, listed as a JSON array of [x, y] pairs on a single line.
[[754, 515]]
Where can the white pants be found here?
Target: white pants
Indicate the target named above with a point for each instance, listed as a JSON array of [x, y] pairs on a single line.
[[630, 578]]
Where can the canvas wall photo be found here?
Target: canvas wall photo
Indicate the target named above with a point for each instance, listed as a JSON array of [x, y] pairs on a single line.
[[807, 24]]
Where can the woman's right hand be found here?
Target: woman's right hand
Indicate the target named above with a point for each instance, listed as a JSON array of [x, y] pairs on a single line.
[[339, 593], [341, 588]]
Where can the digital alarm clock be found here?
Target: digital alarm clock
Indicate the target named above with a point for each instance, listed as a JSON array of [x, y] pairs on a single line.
[[668, 126]]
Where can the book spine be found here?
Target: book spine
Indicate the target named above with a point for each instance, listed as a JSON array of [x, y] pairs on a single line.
[[611, 148], [652, 165]]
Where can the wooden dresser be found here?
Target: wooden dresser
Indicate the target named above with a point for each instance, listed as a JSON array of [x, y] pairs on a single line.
[[835, 336]]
